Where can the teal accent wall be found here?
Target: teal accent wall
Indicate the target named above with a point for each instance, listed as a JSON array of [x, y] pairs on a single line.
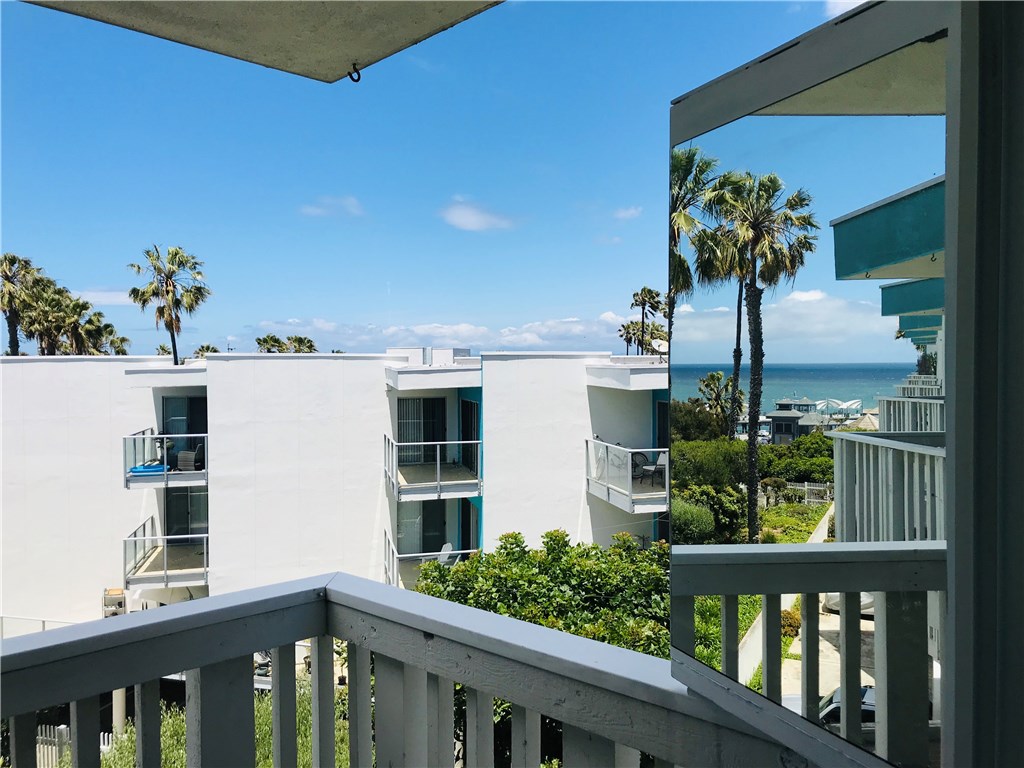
[[914, 297], [657, 396], [915, 323], [906, 228]]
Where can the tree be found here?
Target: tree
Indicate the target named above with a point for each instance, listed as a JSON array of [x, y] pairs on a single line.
[[205, 349], [629, 332], [648, 301], [690, 174], [175, 285], [270, 343], [16, 274], [715, 394], [301, 345], [163, 350], [774, 233], [655, 332]]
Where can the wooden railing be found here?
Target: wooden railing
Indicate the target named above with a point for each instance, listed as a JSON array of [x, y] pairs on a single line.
[[890, 486], [612, 703], [911, 414], [902, 573]]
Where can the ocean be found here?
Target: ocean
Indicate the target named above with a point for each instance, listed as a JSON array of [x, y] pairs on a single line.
[[837, 381]]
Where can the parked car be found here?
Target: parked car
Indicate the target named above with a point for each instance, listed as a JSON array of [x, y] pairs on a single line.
[[830, 602], [831, 707]]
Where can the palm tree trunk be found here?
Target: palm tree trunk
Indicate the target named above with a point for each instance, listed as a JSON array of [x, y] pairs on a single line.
[[737, 356], [755, 332], [13, 347], [641, 345], [670, 315], [174, 345]]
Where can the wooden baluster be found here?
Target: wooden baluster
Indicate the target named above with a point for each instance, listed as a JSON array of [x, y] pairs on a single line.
[[220, 726], [730, 636], [525, 738], [282, 664], [849, 671], [389, 710], [771, 648], [441, 722], [85, 733], [322, 657], [901, 678], [147, 723], [23, 740], [809, 659], [582, 749], [682, 626], [415, 713], [360, 733], [479, 729]]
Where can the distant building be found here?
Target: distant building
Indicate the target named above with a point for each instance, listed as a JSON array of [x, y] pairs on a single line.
[[794, 418]]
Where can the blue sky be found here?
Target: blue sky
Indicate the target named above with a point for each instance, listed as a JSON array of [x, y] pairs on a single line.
[[499, 186]]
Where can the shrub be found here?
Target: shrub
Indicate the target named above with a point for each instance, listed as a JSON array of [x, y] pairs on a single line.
[[790, 623], [726, 507], [832, 526], [769, 537], [691, 523], [718, 463], [812, 446]]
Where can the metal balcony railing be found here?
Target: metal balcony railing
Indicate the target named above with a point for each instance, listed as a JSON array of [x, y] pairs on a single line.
[[633, 479], [890, 486], [433, 470], [612, 703], [911, 414], [166, 560], [902, 575], [165, 460]]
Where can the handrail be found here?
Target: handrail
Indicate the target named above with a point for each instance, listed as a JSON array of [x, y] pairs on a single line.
[[130, 570], [137, 455], [609, 468], [438, 555], [904, 441], [604, 696], [392, 462]]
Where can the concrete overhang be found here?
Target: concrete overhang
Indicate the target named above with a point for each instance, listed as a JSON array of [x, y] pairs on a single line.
[[149, 377], [636, 377], [918, 324], [914, 297], [881, 58], [323, 41], [428, 377], [900, 237]]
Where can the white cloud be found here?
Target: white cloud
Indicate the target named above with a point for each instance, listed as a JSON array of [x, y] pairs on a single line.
[[472, 218], [332, 206], [320, 324], [106, 298], [834, 8], [624, 214], [812, 295]]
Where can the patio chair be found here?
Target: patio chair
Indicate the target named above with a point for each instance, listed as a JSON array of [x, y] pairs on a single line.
[[656, 468], [191, 461], [446, 556]]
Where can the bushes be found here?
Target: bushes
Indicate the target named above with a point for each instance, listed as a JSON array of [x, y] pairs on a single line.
[[718, 463], [725, 505], [790, 623], [691, 523]]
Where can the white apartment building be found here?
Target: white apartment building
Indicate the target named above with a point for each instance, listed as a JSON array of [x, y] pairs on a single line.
[[250, 469]]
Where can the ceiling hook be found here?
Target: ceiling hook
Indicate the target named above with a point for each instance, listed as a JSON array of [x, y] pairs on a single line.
[[355, 75]]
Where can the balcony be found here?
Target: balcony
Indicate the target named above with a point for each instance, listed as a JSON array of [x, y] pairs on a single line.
[[632, 479], [433, 470], [612, 703], [920, 386], [159, 461], [165, 560], [905, 577], [400, 570], [911, 414], [890, 486]]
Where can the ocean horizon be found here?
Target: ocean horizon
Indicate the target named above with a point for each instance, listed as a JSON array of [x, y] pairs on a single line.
[[817, 381]]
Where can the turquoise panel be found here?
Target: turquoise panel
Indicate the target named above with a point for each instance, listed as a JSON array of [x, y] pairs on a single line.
[[916, 323], [923, 338], [914, 297], [905, 228]]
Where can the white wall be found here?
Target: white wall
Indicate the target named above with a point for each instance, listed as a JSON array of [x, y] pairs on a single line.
[[64, 506], [536, 417], [296, 480]]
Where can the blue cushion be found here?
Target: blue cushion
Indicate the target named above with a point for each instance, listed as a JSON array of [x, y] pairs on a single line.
[[149, 469]]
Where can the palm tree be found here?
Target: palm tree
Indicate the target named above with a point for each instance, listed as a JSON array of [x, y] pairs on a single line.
[[175, 286], [774, 233], [648, 301], [163, 350], [690, 174], [655, 332], [301, 344], [16, 274], [101, 337], [205, 349], [270, 343], [43, 314], [629, 332]]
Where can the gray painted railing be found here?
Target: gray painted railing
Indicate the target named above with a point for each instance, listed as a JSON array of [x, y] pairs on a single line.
[[911, 414], [612, 702], [902, 573], [890, 486]]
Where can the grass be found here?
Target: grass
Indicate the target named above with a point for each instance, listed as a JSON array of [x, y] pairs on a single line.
[[792, 523]]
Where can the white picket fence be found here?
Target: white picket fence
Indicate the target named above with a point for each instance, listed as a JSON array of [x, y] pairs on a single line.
[[814, 493], [54, 741]]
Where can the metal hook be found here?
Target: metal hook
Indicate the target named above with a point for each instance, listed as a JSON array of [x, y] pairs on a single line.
[[355, 75]]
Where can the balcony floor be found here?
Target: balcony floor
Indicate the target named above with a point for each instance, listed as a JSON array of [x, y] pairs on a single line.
[[184, 565], [426, 474]]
